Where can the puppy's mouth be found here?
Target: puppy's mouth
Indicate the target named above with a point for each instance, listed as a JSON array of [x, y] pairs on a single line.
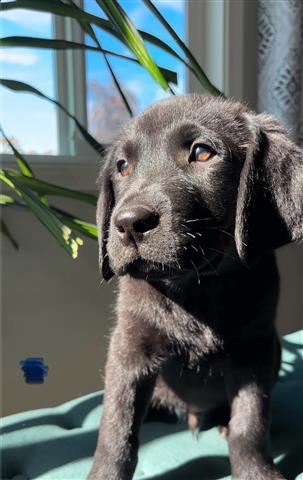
[[142, 268], [169, 256], [147, 269]]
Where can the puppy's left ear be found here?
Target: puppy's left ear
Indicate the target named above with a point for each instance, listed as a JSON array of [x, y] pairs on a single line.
[[104, 209], [269, 211]]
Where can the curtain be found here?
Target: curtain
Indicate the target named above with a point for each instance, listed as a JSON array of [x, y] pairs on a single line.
[[280, 62]]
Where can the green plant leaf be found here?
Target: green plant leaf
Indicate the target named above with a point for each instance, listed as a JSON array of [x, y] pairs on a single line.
[[59, 8], [8, 201], [22, 163], [132, 39], [196, 68], [62, 233], [45, 188], [46, 43], [75, 223], [90, 31], [7, 233], [35, 42], [24, 87]]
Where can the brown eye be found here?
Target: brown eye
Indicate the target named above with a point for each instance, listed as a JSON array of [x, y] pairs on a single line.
[[123, 168], [201, 153]]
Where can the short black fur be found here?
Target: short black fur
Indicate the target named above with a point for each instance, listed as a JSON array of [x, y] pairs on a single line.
[[198, 285]]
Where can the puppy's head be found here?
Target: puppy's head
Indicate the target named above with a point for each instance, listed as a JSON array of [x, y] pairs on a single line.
[[191, 178]]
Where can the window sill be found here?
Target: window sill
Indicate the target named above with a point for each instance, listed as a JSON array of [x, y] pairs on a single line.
[[69, 172]]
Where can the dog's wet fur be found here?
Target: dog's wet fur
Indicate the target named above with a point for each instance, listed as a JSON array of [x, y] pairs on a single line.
[[192, 244]]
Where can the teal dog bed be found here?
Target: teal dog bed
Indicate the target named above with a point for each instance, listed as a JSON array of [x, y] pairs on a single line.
[[58, 443]]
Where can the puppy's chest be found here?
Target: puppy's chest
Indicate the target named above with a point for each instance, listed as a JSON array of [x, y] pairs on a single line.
[[191, 334], [183, 324]]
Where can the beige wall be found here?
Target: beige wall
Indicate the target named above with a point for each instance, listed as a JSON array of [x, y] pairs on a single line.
[[55, 307], [290, 311]]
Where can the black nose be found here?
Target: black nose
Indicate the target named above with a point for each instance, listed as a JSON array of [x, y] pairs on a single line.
[[133, 222]]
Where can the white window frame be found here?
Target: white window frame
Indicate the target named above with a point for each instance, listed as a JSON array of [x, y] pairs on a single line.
[[70, 80], [77, 163], [225, 30]]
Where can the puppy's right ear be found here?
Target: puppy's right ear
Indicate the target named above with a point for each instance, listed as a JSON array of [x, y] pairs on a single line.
[[104, 209]]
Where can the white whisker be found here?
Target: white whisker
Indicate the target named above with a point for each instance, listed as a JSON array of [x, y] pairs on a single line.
[[197, 220], [198, 277]]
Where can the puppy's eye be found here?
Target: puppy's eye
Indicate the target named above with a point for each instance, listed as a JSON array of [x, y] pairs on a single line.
[[123, 168], [201, 153]]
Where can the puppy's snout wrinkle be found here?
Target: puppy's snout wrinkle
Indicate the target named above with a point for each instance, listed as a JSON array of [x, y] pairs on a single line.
[[134, 222]]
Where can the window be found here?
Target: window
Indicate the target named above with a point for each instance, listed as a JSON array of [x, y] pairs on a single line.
[[106, 111], [30, 122], [79, 81]]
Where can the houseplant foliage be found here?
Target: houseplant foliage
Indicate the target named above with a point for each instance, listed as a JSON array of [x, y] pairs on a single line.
[[28, 191]]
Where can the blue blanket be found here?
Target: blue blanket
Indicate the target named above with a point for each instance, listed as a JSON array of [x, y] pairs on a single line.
[[58, 443]]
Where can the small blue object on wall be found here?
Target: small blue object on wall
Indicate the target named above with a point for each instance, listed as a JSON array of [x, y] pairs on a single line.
[[34, 369]]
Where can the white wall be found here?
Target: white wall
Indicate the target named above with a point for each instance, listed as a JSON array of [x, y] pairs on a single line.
[[54, 307]]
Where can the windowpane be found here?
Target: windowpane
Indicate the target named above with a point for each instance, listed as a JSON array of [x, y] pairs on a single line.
[[106, 111], [30, 122]]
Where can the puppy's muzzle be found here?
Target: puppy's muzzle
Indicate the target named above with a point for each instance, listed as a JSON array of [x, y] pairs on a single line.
[[134, 223]]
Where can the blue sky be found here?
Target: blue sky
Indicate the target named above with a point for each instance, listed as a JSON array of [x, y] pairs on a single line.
[[33, 121]]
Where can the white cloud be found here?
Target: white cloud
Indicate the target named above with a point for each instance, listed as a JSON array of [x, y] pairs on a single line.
[[28, 19], [136, 86], [138, 16], [19, 57], [177, 5], [160, 94]]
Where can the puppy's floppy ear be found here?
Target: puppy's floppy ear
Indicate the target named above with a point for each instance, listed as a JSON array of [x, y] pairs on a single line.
[[269, 210], [104, 208]]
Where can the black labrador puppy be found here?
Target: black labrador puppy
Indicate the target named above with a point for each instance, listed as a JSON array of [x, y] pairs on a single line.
[[195, 195]]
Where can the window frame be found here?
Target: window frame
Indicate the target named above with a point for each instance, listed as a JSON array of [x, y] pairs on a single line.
[[76, 161], [225, 29], [70, 81]]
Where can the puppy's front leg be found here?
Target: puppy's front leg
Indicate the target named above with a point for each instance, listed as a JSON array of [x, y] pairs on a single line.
[[250, 378], [129, 383]]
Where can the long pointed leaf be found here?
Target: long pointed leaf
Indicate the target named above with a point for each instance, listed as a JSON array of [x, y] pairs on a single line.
[[88, 28], [132, 39], [7, 233], [199, 73], [90, 31], [60, 232], [45, 188], [8, 201], [24, 87], [118, 86], [59, 8], [23, 165], [46, 43], [75, 223], [35, 42]]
